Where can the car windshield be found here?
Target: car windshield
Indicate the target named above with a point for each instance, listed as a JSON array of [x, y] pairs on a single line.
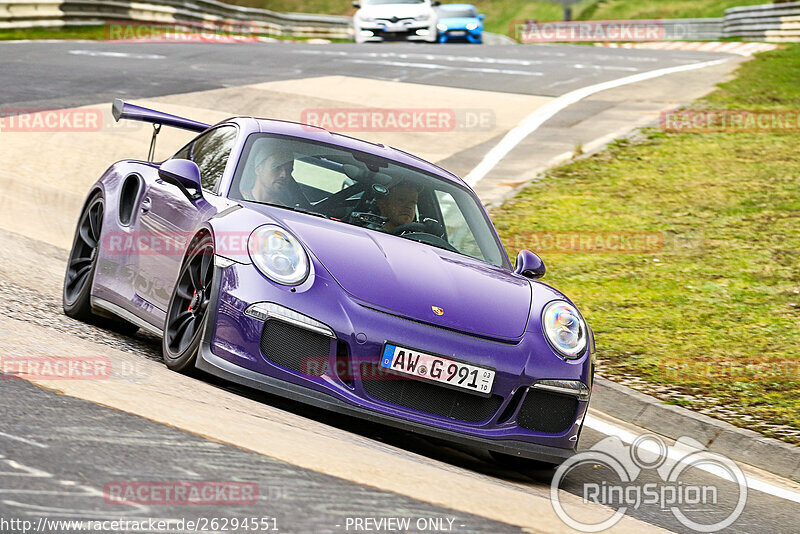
[[364, 190], [457, 11]]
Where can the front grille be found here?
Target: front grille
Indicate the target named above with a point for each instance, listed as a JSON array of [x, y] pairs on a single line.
[[427, 397], [295, 348], [396, 36], [395, 20], [544, 411]]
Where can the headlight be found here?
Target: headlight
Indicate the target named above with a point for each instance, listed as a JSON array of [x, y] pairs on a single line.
[[366, 18], [424, 16], [472, 26], [441, 27], [565, 329], [278, 255]]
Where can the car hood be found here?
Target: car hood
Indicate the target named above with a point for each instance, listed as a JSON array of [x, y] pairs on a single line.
[[410, 279], [395, 10], [458, 23]]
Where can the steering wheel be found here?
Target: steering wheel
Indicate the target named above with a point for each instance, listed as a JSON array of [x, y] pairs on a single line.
[[408, 228], [422, 233]]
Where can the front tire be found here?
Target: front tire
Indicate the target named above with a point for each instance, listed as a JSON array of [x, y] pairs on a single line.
[[187, 313]]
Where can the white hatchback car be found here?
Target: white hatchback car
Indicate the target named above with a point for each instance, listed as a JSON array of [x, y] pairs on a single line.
[[395, 20]]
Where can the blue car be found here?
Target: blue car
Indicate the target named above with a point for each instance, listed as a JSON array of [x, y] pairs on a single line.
[[459, 22]]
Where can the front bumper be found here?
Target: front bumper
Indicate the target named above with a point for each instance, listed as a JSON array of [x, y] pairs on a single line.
[[373, 32], [233, 350], [461, 35]]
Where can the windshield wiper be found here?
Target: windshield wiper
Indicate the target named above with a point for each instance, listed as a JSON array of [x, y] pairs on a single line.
[[293, 208], [307, 212]]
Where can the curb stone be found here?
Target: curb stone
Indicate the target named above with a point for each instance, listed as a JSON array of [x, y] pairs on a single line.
[[740, 444]]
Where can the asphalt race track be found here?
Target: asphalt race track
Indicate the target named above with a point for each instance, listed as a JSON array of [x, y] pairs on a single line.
[[63, 442]]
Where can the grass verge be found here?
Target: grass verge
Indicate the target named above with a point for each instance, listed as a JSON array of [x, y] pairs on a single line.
[[711, 320], [72, 32]]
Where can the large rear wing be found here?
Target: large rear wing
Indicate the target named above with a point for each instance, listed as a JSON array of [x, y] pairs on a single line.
[[120, 110]]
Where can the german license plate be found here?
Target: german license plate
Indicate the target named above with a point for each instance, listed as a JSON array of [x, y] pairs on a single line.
[[438, 369], [458, 33]]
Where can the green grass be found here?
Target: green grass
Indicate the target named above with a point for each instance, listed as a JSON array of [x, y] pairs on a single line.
[[726, 285], [75, 32], [656, 9], [500, 14]]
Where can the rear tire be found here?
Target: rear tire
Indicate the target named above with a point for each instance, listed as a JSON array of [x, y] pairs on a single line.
[[76, 296], [187, 313]]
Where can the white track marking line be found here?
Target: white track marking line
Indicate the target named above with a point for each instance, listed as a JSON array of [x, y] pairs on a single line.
[[601, 67], [23, 440], [93, 53], [532, 122], [428, 57], [629, 437], [433, 66]]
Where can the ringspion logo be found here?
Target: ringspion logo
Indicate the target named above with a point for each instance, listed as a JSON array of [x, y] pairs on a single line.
[[623, 483]]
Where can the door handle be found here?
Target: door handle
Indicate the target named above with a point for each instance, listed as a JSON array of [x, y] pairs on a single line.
[[146, 204]]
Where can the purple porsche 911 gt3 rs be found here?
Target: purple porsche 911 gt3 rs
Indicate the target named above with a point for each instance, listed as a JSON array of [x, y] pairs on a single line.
[[339, 273]]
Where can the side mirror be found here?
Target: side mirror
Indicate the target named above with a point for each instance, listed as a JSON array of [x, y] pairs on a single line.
[[183, 174], [436, 3], [481, 16], [357, 5], [529, 265]]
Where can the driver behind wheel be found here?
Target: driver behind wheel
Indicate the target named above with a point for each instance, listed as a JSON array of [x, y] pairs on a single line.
[[400, 205], [273, 182]]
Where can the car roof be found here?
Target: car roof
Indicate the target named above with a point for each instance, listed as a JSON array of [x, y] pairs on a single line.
[[321, 135]]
